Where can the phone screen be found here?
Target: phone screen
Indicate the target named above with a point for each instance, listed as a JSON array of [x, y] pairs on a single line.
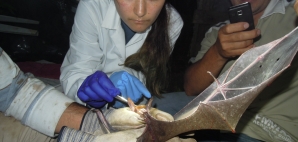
[[242, 13]]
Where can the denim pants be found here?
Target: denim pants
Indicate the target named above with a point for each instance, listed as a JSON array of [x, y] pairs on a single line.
[[172, 102]]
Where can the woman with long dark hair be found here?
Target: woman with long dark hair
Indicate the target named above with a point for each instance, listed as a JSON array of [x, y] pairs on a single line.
[[119, 47]]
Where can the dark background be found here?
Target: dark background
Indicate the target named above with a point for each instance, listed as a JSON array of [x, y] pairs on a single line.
[[56, 18]]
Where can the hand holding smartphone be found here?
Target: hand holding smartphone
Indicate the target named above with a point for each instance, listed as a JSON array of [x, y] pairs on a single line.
[[242, 13]]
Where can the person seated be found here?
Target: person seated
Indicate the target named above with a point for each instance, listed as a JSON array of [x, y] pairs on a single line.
[[271, 116]]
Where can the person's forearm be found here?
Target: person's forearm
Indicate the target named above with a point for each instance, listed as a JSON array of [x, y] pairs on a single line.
[[72, 117], [196, 78]]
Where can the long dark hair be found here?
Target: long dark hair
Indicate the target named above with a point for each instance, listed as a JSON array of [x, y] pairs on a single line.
[[153, 56]]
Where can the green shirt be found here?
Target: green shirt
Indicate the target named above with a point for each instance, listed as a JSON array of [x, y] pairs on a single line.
[[272, 116]]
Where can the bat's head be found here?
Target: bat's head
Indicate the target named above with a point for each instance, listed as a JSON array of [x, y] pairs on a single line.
[[155, 113]]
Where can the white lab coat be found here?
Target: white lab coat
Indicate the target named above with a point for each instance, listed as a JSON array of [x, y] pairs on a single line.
[[97, 42]]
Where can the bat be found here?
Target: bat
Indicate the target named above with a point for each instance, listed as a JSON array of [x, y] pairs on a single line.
[[221, 105]]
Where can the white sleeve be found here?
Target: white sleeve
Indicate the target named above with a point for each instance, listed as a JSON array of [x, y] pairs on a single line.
[[28, 99], [38, 106]]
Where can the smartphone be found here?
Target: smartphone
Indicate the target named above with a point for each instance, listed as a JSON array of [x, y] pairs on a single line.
[[242, 13]]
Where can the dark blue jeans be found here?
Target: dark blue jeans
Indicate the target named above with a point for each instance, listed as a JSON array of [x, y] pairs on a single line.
[[172, 102]]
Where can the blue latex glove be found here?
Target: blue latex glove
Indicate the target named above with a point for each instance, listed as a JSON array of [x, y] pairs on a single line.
[[97, 90], [129, 86]]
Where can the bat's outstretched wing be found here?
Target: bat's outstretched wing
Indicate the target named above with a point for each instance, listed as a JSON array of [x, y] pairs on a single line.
[[222, 104]]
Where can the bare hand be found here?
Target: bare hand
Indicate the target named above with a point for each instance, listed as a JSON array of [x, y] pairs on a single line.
[[232, 40]]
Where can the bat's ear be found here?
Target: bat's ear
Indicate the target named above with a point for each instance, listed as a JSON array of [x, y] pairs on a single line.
[[296, 6], [149, 104], [131, 104], [158, 114]]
